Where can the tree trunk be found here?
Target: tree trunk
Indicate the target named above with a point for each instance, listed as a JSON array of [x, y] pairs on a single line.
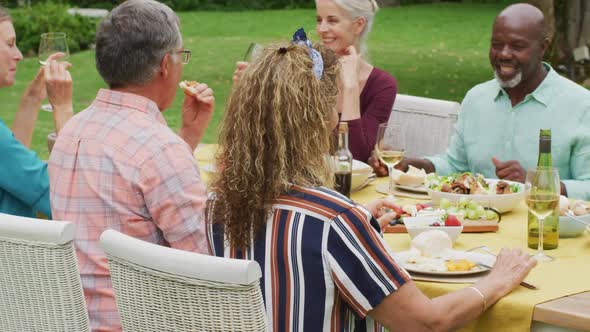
[[569, 27]]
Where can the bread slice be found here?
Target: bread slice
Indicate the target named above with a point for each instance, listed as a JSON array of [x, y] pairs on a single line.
[[189, 87]]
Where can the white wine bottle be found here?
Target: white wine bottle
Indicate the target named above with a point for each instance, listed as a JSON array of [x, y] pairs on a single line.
[[551, 224]]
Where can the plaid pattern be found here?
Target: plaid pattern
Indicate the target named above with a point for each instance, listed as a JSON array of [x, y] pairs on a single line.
[[118, 165]]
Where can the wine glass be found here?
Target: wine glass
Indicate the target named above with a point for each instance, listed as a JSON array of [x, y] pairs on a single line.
[[253, 52], [51, 43], [542, 189], [390, 147]]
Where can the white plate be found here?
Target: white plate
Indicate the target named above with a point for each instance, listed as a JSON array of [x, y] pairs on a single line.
[[421, 189], [410, 260], [364, 184], [475, 270], [383, 188]]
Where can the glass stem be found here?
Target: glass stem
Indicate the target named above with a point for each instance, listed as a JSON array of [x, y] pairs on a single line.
[[540, 246], [390, 171]]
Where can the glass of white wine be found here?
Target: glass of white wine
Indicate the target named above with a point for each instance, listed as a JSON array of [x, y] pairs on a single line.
[[542, 187], [51, 43], [390, 148], [253, 52]]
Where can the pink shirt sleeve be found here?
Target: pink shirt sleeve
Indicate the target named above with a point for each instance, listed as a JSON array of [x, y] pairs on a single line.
[[175, 197]]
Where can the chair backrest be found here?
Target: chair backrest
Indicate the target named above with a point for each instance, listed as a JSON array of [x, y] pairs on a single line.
[[163, 289], [428, 123], [40, 288]]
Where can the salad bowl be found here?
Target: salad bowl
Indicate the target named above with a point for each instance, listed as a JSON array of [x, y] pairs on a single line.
[[485, 196]]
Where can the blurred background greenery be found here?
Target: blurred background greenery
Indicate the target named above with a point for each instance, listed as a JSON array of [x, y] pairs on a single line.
[[434, 50]]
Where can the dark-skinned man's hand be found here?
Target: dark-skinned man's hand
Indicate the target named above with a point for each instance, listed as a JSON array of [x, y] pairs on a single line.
[[379, 168], [509, 170]]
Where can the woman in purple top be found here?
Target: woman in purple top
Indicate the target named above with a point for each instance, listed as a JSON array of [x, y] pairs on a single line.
[[366, 93]]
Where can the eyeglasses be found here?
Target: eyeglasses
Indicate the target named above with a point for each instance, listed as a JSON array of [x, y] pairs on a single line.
[[186, 56]]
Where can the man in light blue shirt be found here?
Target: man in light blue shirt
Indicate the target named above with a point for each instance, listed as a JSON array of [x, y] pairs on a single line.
[[497, 134]]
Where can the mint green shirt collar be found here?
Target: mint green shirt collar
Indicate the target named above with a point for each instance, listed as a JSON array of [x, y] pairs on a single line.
[[542, 93]]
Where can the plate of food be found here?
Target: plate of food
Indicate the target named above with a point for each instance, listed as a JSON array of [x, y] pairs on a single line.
[[502, 195], [432, 253], [411, 180], [441, 267]]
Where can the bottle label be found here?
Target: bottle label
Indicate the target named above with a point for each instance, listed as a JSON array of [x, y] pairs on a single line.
[[550, 231]]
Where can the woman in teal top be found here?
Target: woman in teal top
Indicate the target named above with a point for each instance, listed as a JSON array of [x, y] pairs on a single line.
[[24, 183]]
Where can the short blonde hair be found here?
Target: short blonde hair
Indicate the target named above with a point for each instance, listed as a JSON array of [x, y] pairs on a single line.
[[361, 8]]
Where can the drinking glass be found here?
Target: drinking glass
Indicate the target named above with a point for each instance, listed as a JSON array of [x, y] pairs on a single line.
[[390, 147], [542, 188], [51, 43], [253, 52]]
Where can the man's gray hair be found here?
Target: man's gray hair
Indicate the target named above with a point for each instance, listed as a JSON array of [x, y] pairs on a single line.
[[132, 40]]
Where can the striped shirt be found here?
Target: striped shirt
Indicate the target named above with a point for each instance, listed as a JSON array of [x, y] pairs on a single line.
[[117, 165], [325, 265]]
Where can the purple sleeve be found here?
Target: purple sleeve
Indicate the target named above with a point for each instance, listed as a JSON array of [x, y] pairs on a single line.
[[376, 102]]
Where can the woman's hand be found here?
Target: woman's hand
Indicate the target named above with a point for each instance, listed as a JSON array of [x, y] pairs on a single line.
[[376, 208], [348, 101], [58, 86], [240, 66], [28, 110], [511, 267], [58, 83], [37, 88], [350, 67]]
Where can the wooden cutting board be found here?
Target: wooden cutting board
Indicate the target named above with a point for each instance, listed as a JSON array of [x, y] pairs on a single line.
[[469, 226]]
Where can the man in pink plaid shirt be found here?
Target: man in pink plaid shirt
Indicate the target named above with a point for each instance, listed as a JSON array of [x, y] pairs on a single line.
[[118, 165]]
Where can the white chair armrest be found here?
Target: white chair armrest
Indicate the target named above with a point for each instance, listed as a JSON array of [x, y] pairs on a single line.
[[184, 263], [38, 230]]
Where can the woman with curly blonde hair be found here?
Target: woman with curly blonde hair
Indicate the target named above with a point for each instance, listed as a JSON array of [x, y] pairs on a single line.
[[325, 265]]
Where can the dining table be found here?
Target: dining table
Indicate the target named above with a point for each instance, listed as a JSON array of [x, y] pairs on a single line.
[[561, 301]]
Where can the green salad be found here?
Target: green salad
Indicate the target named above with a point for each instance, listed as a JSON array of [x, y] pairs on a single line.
[[468, 183]]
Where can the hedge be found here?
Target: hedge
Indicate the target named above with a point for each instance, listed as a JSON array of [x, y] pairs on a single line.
[[30, 23], [223, 4]]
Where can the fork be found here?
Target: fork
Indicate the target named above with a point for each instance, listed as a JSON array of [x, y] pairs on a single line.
[[486, 249]]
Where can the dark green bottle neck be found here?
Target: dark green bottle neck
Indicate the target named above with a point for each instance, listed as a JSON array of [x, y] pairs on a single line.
[[545, 152]]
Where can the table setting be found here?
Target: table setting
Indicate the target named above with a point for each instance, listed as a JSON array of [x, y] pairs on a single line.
[[549, 289]]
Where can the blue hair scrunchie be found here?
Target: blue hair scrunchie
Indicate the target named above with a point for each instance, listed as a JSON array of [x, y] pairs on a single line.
[[300, 38]]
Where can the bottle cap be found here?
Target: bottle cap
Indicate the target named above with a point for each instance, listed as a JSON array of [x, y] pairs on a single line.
[[343, 127], [545, 133]]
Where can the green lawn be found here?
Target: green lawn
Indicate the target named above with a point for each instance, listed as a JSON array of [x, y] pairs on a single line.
[[437, 51]]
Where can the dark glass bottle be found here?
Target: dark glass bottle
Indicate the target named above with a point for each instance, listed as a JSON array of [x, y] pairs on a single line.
[[343, 162], [551, 224]]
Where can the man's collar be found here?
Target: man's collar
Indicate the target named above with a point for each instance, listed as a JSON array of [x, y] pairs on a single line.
[[130, 100], [541, 93]]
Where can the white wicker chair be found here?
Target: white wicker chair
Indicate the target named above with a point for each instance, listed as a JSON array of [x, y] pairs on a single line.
[[163, 289], [428, 123], [40, 288]]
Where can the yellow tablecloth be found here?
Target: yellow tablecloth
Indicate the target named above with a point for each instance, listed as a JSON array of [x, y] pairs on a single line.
[[568, 274]]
